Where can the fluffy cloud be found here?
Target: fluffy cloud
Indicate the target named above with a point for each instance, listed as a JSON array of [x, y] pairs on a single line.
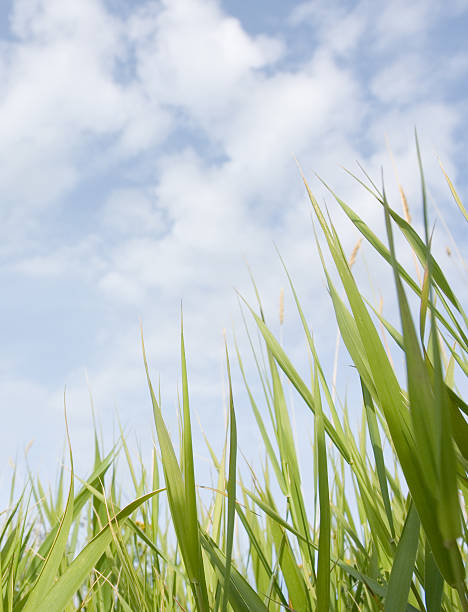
[[191, 55], [63, 97]]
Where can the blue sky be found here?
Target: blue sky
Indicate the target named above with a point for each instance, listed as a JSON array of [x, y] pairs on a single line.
[[147, 152]]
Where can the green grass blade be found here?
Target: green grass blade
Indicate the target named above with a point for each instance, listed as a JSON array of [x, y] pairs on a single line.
[[191, 517], [433, 582], [399, 582], [183, 515], [52, 562], [242, 596], [378, 455], [231, 489], [323, 569], [63, 590]]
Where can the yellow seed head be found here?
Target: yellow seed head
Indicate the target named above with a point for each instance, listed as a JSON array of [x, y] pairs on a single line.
[[352, 259], [405, 205]]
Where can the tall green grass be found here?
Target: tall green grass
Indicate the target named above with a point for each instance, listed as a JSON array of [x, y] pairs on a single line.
[[387, 530]]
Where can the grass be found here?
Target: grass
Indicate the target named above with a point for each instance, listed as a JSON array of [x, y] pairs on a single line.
[[387, 530]]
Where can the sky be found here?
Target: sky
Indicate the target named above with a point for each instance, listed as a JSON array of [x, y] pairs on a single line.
[[148, 156]]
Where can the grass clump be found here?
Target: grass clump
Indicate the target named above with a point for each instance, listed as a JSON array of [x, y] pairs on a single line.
[[387, 530]]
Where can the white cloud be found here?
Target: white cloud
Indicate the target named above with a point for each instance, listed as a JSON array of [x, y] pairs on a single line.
[[339, 27], [131, 210], [81, 261], [194, 56], [402, 20], [62, 94]]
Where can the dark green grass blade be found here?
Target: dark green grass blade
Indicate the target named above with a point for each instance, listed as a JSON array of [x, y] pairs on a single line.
[[433, 582]]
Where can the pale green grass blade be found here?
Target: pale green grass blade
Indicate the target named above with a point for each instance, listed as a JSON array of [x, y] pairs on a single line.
[[191, 514], [63, 590], [186, 532], [79, 502], [55, 555], [289, 461], [261, 426], [399, 582], [253, 540], [293, 577], [241, 595], [272, 513]]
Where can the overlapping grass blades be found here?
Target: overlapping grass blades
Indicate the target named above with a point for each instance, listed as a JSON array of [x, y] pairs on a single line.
[[373, 520]]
